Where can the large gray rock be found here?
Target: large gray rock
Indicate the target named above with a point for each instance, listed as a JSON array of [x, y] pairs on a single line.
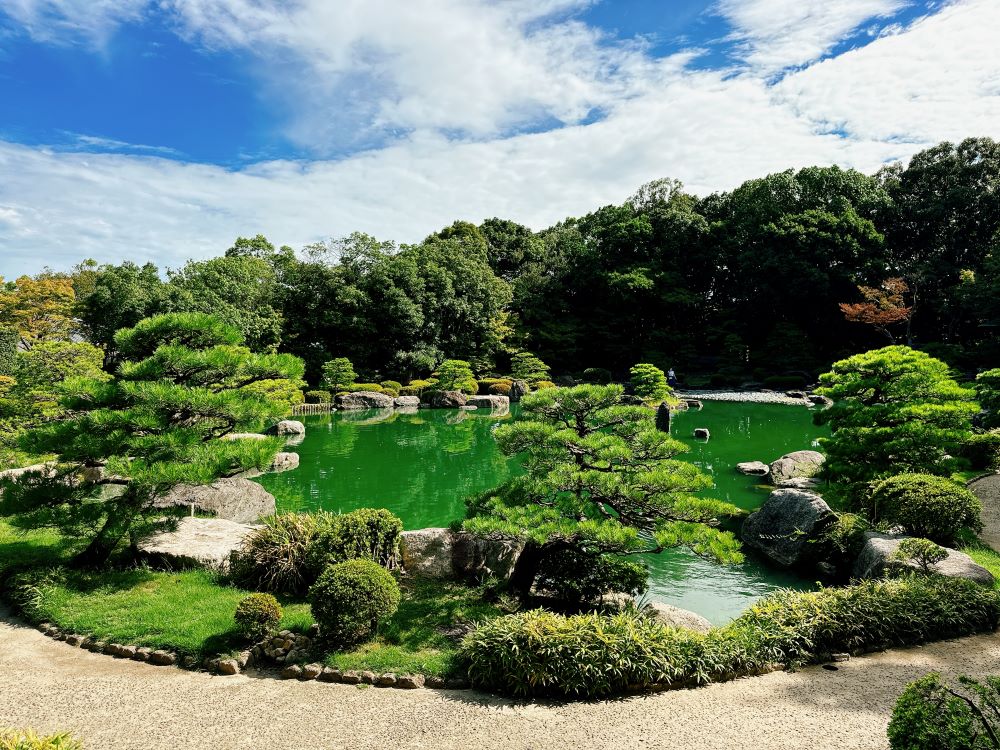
[[441, 553], [196, 542], [783, 526], [797, 464], [477, 557], [427, 552], [676, 617], [753, 468], [496, 404], [876, 557], [987, 489], [365, 400], [285, 462], [447, 399], [800, 483], [289, 427], [406, 401], [518, 389], [233, 499]]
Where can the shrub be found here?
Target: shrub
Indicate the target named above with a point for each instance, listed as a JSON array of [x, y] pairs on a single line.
[[841, 542], [988, 391], [526, 366], [275, 556], [924, 505], [597, 375], [366, 533], [573, 576], [486, 384], [257, 615], [931, 715], [391, 387], [785, 382], [357, 387], [500, 389], [539, 652], [921, 552], [318, 397], [649, 383], [420, 385], [456, 375], [350, 598], [12, 739], [541, 385], [338, 374], [9, 339], [982, 450]]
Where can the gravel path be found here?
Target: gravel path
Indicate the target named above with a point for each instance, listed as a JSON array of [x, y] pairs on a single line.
[[987, 489], [122, 705], [757, 397]]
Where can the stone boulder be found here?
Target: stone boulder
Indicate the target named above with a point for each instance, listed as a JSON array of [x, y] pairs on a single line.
[[817, 400], [427, 552], [365, 400], [447, 399], [693, 403], [405, 401], [232, 499], [442, 553], [244, 436], [753, 468], [518, 389], [797, 464], [675, 617], [196, 542], [876, 556], [496, 404], [285, 462], [702, 433], [289, 427], [800, 483], [784, 525]]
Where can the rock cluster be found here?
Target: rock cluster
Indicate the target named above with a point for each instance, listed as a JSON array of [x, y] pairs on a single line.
[[442, 553], [285, 647], [365, 400]]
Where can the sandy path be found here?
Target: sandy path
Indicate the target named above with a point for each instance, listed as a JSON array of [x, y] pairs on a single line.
[[119, 705]]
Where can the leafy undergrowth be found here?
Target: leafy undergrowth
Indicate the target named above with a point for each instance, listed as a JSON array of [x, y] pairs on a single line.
[[422, 637], [186, 611]]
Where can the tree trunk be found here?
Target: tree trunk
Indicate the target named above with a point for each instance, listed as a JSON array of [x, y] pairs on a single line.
[[526, 569], [101, 547]]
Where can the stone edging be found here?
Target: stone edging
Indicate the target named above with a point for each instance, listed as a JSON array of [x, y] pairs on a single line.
[[235, 665]]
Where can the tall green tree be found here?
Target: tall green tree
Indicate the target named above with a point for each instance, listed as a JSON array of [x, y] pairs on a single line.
[[599, 479], [338, 374], [185, 382], [896, 410]]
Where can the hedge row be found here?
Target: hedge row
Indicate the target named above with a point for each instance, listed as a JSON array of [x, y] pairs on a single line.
[[541, 653]]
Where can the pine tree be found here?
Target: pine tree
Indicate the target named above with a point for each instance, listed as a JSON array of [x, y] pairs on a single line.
[[185, 383]]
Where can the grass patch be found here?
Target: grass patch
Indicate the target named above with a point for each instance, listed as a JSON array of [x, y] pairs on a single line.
[[416, 638], [186, 611], [21, 549], [986, 556]]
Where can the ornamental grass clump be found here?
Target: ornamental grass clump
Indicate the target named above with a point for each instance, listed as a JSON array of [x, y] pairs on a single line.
[[275, 557], [13, 739], [350, 599], [257, 615], [363, 534]]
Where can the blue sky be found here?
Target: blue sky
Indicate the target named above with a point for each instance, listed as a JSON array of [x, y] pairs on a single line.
[[161, 129]]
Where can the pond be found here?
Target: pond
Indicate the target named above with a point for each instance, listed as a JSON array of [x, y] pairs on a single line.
[[422, 465]]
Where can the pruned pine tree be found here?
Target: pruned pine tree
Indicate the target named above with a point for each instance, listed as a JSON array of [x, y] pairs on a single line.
[[600, 479], [185, 383]]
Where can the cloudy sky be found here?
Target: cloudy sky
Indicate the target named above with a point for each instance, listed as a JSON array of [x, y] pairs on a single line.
[[161, 129]]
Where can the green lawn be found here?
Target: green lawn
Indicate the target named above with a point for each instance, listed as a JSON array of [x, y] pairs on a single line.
[[414, 639], [29, 548], [988, 557]]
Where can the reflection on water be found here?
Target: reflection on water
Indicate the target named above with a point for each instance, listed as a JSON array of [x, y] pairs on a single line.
[[421, 464]]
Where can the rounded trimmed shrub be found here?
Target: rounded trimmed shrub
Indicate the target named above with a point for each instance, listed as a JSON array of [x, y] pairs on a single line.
[[540, 385], [318, 397], [257, 615], [350, 599], [500, 389], [363, 534], [275, 556], [357, 387], [597, 375], [925, 506]]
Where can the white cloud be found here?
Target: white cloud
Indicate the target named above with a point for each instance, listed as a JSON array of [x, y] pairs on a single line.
[[68, 21], [776, 34]]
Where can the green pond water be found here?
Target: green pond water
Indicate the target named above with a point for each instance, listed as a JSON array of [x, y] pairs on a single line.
[[422, 465]]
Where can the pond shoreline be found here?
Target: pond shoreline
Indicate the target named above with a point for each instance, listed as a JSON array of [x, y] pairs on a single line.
[[749, 397]]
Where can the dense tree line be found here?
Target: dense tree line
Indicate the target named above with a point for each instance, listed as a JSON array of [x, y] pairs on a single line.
[[772, 277]]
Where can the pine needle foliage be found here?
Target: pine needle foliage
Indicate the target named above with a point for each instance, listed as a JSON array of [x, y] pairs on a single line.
[[601, 479], [185, 382]]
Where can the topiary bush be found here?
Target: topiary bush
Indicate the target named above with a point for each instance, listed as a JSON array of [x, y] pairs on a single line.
[[541, 653], [573, 576], [349, 600], [257, 615], [649, 382], [366, 533], [541, 385], [13, 739], [275, 557], [501, 389], [358, 387], [931, 715], [318, 397], [597, 375], [926, 506], [391, 387]]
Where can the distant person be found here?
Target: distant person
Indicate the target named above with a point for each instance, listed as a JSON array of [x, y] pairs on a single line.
[[672, 378]]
